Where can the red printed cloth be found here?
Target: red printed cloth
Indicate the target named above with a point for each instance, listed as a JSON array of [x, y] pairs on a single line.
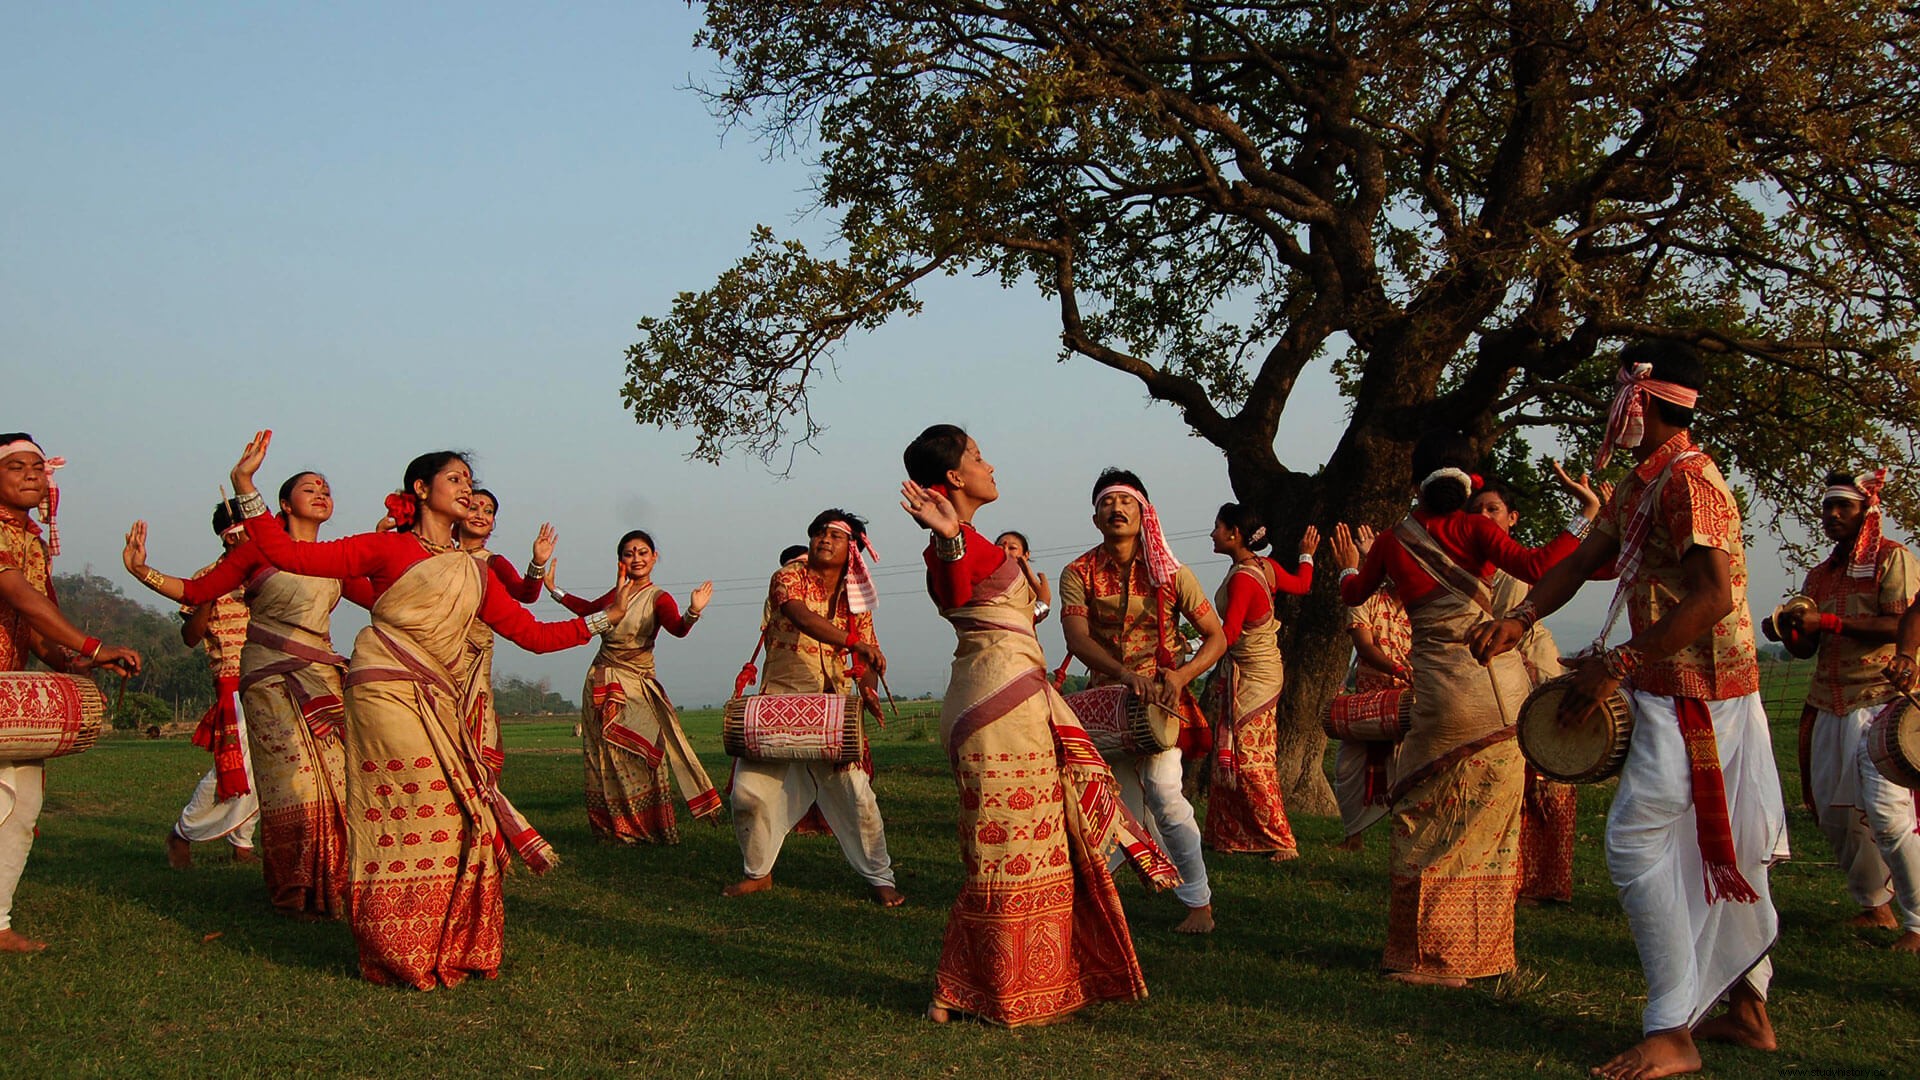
[[792, 726]]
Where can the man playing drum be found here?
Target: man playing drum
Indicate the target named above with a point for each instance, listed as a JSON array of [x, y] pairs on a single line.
[[1698, 817], [1120, 606], [31, 624], [1861, 590], [818, 609]]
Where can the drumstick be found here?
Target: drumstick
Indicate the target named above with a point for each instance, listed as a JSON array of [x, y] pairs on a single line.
[[1505, 717], [892, 704]]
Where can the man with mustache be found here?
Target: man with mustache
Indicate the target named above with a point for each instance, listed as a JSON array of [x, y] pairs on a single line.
[[1120, 606], [1862, 590]]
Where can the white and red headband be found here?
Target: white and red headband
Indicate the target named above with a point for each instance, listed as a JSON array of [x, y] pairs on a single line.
[[1626, 420], [1161, 564], [861, 594], [1864, 561], [50, 503]]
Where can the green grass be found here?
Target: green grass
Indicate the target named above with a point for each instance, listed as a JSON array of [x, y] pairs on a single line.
[[627, 961]]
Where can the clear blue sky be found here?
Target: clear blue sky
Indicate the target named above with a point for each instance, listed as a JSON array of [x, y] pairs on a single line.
[[384, 229]]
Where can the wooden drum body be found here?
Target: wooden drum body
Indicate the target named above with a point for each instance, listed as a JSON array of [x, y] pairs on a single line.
[[1121, 724], [1893, 742], [1376, 716], [44, 715], [1583, 753], [793, 727]]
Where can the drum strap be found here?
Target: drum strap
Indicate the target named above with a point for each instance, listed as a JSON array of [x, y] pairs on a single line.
[[1633, 545]]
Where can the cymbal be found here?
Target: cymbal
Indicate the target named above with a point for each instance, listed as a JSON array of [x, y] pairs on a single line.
[[1799, 604]]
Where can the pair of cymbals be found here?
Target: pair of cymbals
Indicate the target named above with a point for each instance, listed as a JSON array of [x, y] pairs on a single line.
[[1800, 606]]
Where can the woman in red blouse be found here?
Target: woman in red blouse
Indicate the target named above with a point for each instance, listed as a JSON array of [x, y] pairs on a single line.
[[1244, 808], [476, 691], [425, 843], [1456, 799], [291, 694]]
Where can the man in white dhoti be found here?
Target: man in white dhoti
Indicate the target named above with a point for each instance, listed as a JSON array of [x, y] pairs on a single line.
[[818, 610], [1698, 817], [223, 805], [1861, 591]]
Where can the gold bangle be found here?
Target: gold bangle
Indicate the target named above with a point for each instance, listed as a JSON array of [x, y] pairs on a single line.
[[154, 579]]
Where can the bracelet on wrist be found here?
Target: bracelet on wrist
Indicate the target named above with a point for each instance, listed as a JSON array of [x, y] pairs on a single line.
[[1348, 571], [90, 648], [950, 548], [1831, 624], [598, 623], [1580, 525], [538, 570], [152, 579], [252, 504], [1620, 662], [1525, 614]]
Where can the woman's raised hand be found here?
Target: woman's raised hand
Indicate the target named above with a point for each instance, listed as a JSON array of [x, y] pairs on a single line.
[[625, 592], [134, 555], [543, 544], [250, 461], [702, 593], [1310, 540], [1345, 551], [930, 508], [553, 586], [1581, 490]]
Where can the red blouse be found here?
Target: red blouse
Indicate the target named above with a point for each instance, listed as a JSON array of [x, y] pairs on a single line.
[[665, 610], [951, 583], [521, 588], [382, 558], [1472, 540], [237, 567], [1248, 602]]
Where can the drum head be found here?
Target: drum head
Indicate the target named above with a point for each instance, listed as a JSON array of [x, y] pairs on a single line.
[[1164, 725], [1896, 750], [1566, 752]]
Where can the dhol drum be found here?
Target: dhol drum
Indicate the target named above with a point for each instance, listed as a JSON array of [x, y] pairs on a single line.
[[1582, 753], [44, 715], [1376, 716], [1120, 723], [793, 727], [1893, 742]]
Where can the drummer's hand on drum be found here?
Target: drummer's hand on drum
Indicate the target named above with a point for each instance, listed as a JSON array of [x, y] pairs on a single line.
[[117, 658], [876, 660], [1490, 639], [1591, 685], [1166, 690], [1140, 686], [1900, 672]]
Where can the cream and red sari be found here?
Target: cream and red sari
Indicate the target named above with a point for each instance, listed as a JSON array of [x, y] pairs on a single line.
[[634, 743], [1456, 803], [1037, 930], [290, 686], [1548, 809], [1244, 809], [425, 849]]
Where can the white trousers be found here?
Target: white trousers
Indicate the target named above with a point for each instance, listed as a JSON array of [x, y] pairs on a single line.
[[206, 818], [770, 798], [1867, 818], [23, 786], [1150, 787], [1350, 787], [1691, 951]]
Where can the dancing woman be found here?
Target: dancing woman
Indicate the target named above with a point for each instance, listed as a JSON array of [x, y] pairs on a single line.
[[476, 690], [1014, 543], [1455, 803], [1037, 931], [1244, 809], [634, 743], [291, 695], [425, 847]]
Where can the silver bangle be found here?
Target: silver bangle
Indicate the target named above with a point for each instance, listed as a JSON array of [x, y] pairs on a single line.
[[1306, 556], [252, 504], [598, 623], [1348, 571], [538, 570], [1580, 525], [950, 548]]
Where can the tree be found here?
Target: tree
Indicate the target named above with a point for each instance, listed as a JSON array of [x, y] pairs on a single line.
[[1465, 208]]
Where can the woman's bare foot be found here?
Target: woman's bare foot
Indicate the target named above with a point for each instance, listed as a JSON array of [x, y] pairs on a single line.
[[179, 851], [1907, 942], [1199, 920], [10, 941], [748, 885], [1875, 918], [1284, 856], [888, 896], [939, 1013], [1664, 1053], [1414, 978]]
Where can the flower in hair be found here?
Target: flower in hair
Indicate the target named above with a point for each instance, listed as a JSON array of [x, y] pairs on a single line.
[[402, 508]]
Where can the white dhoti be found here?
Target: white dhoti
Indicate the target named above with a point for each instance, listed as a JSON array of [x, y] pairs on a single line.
[[770, 798], [1867, 818], [206, 818], [1693, 952], [1150, 787], [23, 786], [1350, 787]]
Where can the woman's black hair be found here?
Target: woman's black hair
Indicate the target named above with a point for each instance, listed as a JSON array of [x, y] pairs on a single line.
[[423, 469], [1438, 450], [854, 521], [291, 482], [934, 453], [1017, 535], [494, 499], [1673, 361], [1246, 521], [620, 549], [1111, 476], [792, 552], [1508, 495]]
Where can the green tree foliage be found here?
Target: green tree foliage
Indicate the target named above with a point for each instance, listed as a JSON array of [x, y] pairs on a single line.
[[169, 671], [518, 697], [1465, 208], [138, 711]]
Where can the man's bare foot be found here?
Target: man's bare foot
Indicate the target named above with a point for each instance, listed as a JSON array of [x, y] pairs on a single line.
[[1875, 918], [1199, 920], [10, 941], [245, 854], [1414, 978], [1745, 1022], [1907, 942], [888, 896], [1664, 1053], [179, 851], [748, 885], [1352, 843]]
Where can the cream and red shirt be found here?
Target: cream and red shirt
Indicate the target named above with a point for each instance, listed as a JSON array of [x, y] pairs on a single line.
[[798, 662], [226, 630], [22, 549], [1384, 618], [1696, 508], [1847, 671], [1122, 611]]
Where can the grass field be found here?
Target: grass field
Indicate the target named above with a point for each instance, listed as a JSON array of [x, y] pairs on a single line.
[[627, 961]]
